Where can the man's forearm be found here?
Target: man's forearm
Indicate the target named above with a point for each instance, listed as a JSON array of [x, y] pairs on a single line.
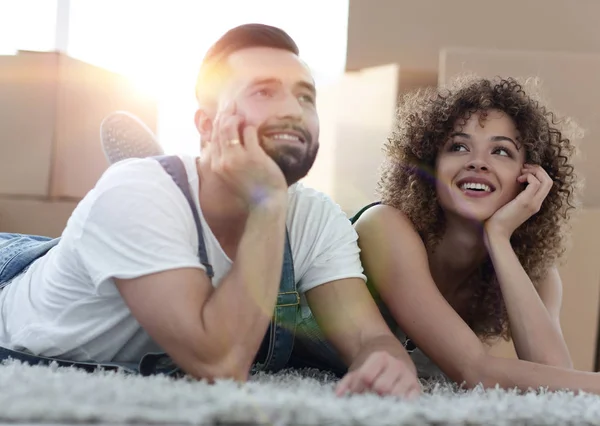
[[237, 314], [535, 336]]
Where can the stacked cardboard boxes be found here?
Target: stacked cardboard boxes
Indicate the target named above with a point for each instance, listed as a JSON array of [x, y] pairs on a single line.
[[51, 107]]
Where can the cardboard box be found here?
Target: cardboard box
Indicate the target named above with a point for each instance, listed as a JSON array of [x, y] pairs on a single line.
[[51, 108], [37, 217], [357, 116], [411, 33], [28, 93]]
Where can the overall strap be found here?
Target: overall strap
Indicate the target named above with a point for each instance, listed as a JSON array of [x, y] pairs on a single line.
[[279, 341], [280, 336], [175, 167]]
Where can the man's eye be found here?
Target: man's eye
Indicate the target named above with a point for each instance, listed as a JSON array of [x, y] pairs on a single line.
[[307, 98], [264, 93]]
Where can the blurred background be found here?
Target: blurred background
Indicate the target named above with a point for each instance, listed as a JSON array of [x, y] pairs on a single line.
[[66, 64]]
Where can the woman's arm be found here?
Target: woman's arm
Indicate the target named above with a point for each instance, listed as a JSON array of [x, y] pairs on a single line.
[[534, 319], [395, 260]]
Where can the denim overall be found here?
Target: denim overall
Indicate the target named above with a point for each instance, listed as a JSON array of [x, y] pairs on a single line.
[[19, 251]]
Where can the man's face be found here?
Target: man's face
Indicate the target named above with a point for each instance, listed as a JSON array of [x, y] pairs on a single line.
[[274, 91]]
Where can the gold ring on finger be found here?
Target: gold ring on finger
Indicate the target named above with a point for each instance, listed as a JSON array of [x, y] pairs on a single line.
[[234, 142]]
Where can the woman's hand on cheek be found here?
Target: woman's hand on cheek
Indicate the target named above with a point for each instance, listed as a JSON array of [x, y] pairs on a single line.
[[503, 223]]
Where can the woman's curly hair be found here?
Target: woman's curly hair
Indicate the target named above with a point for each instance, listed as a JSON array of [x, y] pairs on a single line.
[[424, 122]]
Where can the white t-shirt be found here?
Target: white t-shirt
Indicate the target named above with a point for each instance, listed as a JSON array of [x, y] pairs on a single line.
[[136, 221]]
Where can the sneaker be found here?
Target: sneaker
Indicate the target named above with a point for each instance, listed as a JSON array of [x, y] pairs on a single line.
[[123, 136]]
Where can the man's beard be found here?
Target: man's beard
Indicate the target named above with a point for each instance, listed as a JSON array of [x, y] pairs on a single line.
[[294, 161]]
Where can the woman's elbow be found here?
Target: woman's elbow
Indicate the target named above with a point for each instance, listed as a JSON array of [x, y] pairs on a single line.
[[478, 372]]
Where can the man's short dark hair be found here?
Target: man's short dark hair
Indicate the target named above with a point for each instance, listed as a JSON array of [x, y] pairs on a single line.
[[238, 38]]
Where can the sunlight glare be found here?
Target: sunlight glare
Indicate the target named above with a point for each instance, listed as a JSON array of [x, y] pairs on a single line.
[[160, 44], [22, 30]]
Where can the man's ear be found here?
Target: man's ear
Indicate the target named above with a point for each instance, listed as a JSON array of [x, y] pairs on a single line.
[[204, 124]]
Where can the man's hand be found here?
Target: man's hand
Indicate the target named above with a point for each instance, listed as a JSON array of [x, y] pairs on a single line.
[[384, 374], [235, 155]]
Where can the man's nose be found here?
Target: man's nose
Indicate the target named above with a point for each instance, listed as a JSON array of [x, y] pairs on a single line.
[[290, 107]]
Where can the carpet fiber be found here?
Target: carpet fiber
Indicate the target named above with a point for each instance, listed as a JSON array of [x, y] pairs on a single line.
[[47, 395]]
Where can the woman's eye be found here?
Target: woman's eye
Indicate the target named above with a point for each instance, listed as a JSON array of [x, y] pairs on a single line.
[[502, 151], [457, 147]]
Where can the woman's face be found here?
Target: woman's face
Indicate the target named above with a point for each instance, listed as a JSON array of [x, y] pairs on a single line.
[[478, 166]]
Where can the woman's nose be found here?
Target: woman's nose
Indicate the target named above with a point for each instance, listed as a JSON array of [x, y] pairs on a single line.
[[477, 164]]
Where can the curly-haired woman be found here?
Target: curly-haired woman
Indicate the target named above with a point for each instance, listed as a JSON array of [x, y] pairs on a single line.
[[476, 194]]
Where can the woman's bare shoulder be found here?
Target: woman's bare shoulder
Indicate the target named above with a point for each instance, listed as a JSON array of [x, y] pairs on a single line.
[[384, 221]]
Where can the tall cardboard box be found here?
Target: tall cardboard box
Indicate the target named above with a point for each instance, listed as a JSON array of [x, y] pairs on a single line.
[[357, 114]]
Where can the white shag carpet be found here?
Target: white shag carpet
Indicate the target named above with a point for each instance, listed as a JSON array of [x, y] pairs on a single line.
[[49, 395]]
